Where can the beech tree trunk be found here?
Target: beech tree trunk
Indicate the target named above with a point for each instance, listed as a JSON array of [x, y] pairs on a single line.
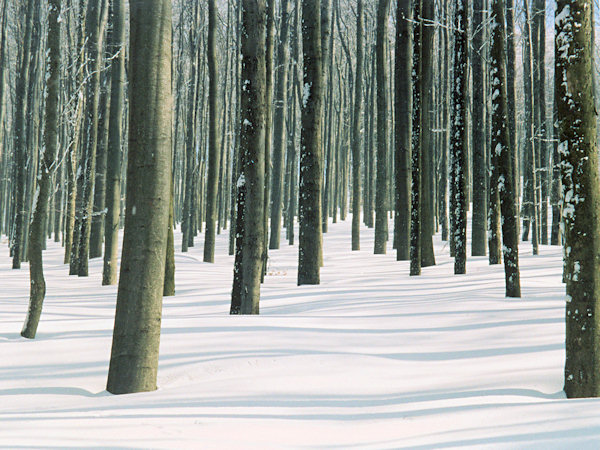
[[37, 236], [212, 180], [136, 336]]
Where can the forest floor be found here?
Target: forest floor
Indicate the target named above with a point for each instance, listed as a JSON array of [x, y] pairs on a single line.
[[371, 358]]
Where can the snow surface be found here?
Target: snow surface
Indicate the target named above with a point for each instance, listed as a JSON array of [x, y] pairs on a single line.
[[371, 358]]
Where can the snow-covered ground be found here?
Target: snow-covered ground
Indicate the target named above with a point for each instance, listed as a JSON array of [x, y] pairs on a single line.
[[371, 358]]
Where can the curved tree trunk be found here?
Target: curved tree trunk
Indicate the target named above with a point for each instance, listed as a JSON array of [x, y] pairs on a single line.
[[48, 165]]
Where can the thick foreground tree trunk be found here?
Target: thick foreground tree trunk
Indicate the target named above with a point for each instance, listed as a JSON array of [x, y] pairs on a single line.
[[579, 162], [134, 355]]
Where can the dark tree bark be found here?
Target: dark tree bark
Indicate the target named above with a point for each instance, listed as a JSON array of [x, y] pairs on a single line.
[[250, 220], [426, 135], [212, 180], [37, 236], [579, 165], [311, 157], [502, 157], [134, 355], [403, 111], [479, 222], [459, 134], [416, 157]]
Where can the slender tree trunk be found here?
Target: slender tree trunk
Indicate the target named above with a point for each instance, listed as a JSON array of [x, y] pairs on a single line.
[[279, 124], [19, 141], [502, 153], [459, 135], [403, 111], [356, 128], [311, 157], [212, 180], [48, 165], [479, 223], [416, 156], [381, 192], [530, 147], [115, 139], [134, 355], [95, 21], [512, 98]]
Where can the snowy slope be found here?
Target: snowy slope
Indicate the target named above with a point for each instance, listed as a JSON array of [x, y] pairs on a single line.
[[371, 358]]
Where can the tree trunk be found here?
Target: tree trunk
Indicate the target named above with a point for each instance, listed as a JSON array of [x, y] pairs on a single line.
[[459, 135], [356, 129], [381, 234], [479, 225], [579, 161], [250, 219], [279, 124], [19, 141], [311, 158], [212, 181], [48, 165], [502, 157], [115, 139], [134, 355]]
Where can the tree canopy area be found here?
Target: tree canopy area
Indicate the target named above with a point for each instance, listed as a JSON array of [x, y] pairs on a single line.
[[132, 130]]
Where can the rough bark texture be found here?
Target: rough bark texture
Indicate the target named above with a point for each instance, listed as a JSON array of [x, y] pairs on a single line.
[[403, 111], [134, 355], [459, 135], [502, 157], [415, 209], [579, 166], [311, 158], [250, 220], [479, 222]]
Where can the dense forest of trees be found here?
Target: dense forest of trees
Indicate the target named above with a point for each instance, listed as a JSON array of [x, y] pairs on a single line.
[[245, 118]]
